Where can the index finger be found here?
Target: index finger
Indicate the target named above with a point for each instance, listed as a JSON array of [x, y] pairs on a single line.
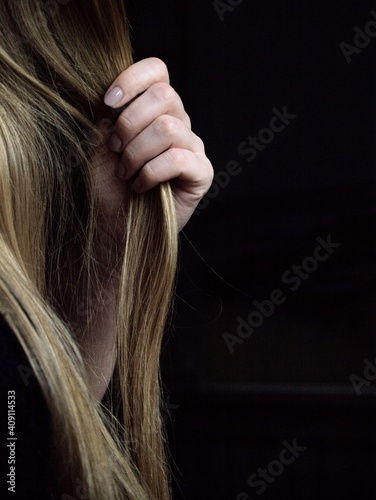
[[135, 80]]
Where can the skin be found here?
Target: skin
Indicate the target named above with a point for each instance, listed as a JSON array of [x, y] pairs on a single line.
[[152, 142]]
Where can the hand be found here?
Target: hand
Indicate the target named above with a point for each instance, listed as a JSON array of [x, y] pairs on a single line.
[[153, 140]]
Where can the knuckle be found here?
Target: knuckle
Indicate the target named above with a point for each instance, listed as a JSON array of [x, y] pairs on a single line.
[[188, 119], [200, 142], [208, 166], [163, 91], [167, 126], [159, 67], [210, 179], [179, 157], [210, 172]]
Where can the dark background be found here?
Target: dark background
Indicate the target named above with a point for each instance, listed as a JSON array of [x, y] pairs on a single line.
[[290, 380]]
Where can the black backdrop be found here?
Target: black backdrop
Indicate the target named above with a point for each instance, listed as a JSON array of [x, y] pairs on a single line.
[[246, 379]]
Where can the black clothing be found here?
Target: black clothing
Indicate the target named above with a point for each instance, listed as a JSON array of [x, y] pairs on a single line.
[[27, 446]]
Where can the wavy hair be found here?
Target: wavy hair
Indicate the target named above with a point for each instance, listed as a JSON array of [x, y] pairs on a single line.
[[55, 66]]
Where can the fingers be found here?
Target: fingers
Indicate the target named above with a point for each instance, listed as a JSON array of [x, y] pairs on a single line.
[[191, 172], [135, 80], [164, 133], [153, 138], [160, 99]]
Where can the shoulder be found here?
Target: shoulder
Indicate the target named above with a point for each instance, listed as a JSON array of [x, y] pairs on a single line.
[[25, 422]]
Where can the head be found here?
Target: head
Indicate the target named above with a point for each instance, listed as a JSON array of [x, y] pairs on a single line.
[[56, 61]]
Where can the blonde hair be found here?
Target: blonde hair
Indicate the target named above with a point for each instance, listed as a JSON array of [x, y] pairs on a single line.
[[55, 67]]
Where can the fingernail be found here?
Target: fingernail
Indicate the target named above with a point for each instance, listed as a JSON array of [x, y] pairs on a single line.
[[113, 96], [120, 172], [115, 144], [136, 186]]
